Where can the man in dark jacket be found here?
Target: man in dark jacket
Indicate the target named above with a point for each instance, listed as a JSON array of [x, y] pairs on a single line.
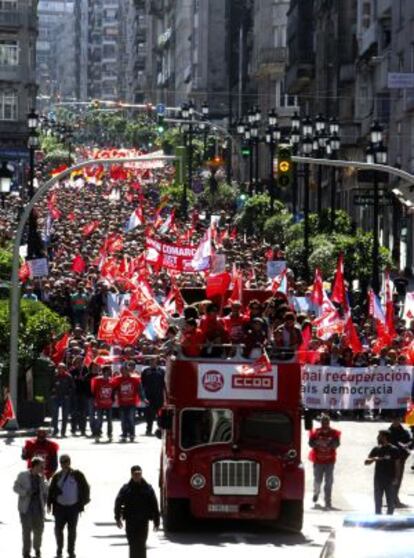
[[137, 504], [69, 493], [400, 438], [153, 384], [61, 394]]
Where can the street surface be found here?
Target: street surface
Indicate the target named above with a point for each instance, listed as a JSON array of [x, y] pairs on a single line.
[[106, 467]]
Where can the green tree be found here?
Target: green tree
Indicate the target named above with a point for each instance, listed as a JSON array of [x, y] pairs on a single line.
[[276, 228], [224, 198], [38, 326], [254, 214], [6, 260]]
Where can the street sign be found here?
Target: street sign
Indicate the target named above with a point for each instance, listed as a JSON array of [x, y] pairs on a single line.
[[383, 201], [160, 109], [400, 80]]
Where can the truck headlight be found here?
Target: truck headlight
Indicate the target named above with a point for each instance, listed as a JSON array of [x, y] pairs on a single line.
[[273, 483], [198, 481]]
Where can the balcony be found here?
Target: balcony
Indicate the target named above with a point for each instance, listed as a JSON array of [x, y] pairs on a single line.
[[11, 18], [12, 73], [299, 76], [274, 55]]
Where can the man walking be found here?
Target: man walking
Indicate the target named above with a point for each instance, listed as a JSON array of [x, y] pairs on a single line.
[[153, 384], [387, 471], [401, 439], [128, 386], [137, 504], [103, 393], [324, 441], [63, 387], [69, 493], [42, 447], [31, 486]]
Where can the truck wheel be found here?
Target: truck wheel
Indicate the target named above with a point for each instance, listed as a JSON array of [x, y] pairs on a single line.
[[291, 516], [175, 514]]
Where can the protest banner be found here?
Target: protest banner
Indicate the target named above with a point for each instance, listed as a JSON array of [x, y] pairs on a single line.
[[177, 257], [340, 388], [38, 267], [275, 268]]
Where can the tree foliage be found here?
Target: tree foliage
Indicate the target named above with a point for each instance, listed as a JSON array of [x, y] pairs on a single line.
[[6, 261], [254, 214], [38, 326], [224, 198]]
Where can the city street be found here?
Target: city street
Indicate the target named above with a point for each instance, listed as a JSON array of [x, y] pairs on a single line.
[[107, 467]]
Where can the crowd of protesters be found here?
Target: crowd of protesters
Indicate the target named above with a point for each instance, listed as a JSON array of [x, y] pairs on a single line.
[[76, 223]]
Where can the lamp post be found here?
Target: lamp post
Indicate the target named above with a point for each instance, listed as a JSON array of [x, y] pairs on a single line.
[[6, 176], [295, 139], [376, 153], [334, 146], [307, 146], [203, 126], [272, 138], [33, 144]]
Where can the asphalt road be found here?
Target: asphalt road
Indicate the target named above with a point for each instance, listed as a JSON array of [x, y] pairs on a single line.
[[107, 467]]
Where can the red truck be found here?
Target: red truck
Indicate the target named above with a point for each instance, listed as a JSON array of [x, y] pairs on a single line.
[[231, 443]]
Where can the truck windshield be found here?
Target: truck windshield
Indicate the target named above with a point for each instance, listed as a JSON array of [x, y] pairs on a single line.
[[265, 426], [200, 427]]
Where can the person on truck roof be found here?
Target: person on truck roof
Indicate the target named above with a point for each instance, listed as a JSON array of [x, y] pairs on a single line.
[[192, 339]]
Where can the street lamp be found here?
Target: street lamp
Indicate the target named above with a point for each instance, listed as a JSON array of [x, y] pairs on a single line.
[[307, 147], [334, 146], [32, 144], [376, 153], [254, 132], [272, 138], [6, 176]]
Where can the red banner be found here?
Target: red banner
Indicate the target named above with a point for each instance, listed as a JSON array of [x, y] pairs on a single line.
[[177, 257]]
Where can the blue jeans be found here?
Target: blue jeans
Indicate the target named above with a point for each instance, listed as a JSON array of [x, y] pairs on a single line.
[[127, 420], [56, 403], [99, 421]]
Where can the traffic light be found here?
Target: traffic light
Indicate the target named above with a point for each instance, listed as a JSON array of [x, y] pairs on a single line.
[[245, 150], [284, 165], [160, 124]]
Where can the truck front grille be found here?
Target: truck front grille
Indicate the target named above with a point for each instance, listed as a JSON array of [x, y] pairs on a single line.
[[236, 477]]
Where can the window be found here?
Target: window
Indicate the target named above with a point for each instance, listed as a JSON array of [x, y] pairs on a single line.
[[8, 4], [9, 53], [8, 105], [201, 427], [267, 426]]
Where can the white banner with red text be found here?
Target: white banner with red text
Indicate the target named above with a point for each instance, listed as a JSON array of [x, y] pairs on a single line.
[[340, 388]]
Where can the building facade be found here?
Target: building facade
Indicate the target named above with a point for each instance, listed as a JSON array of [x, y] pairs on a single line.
[[18, 32], [52, 14]]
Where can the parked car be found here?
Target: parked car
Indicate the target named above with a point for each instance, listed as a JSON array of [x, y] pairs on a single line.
[[372, 536]]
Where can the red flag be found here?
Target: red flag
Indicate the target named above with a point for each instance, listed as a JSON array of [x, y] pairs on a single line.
[[261, 365], [306, 356], [128, 329], [233, 234], [338, 290], [125, 266], [78, 264], [87, 361], [8, 412], [351, 336], [217, 285], [59, 348], [24, 272], [113, 243], [88, 229], [389, 307], [174, 302], [118, 173], [71, 217], [106, 329], [317, 289], [55, 213], [409, 415], [58, 170]]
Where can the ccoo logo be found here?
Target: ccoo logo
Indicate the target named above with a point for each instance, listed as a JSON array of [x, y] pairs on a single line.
[[213, 380]]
